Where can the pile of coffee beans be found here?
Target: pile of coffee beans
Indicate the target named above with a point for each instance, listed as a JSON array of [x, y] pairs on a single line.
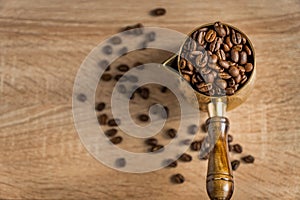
[[216, 60]]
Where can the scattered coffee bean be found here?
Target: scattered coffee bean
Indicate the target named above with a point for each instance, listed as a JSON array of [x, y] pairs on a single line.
[[177, 178], [107, 50], [185, 157], [237, 148], [123, 68], [150, 37], [248, 67], [230, 147], [158, 12], [235, 164], [157, 148], [170, 163], [133, 78], [229, 138], [193, 129], [120, 77], [171, 133], [163, 89], [100, 106], [102, 119], [116, 40], [106, 77], [81, 97], [196, 145], [111, 132], [143, 118], [135, 29], [144, 93], [114, 122], [248, 159], [116, 140], [151, 141], [120, 162]]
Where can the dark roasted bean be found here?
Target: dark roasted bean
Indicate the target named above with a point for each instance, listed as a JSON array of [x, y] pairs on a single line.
[[215, 45], [229, 91], [107, 50], [114, 122], [151, 141], [116, 40], [201, 37], [196, 145], [201, 59], [219, 29], [234, 71], [158, 12], [144, 93], [237, 148], [186, 77], [228, 42], [182, 63], [111, 132], [238, 47], [106, 77], [116, 140], [221, 54], [163, 89], [209, 78], [224, 75], [204, 87], [236, 37], [185, 157], [224, 64], [171, 163], [238, 79], [248, 67], [120, 162], [248, 159], [102, 119], [123, 68], [120, 77], [235, 164], [234, 55], [243, 57], [221, 83], [229, 138], [247, 50], [231, 82], [157, 148], [81, 97], [226, 48], [210, 36], [177, 179], [171, 133], [230, 147], [143, 118], [100, 106]]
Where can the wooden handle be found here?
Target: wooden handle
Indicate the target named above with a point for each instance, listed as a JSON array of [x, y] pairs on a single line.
[[219, 181]]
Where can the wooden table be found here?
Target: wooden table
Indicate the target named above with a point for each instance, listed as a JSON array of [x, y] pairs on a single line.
[[43, 43]]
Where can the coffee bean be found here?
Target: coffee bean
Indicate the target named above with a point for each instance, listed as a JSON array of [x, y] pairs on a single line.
[[231, 82], [193, 129], [114, 122], [229, 138], [120, 162], [102, 119], [158, 12], [233, 71], [248, 67], [234, 55], [111, 132], [209, 78], [201, 37], [235, 164], [163, 89], [230, 147], [219, 29], [226, 48], [210, 36], [116, 40], [171, 133], [144, 93], [224, 75], [157, 148], [123, 51], [204, 87], [221, 83], [213, 58], [122, 89], [238, 47], [185, 157], [243, 58], [81, 97], [133, 78], [100, 106], [248, 159], [224, 64], [150, 37], [182, 63], [116, 140], [151, 141], [221, 54], [177, 178], [237, 148], [215, 45], [238, 79], [196, 145], [244, 79], [143, 118], [107, 50], [236, 37], [247, 50], [123, 68], [106, 77], [120, 77], [170, 163], [201, 59]]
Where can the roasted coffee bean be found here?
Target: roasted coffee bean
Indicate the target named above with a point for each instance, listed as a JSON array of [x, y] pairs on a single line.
[[132, 29], [234, 55], [190, 68], [193, 129], [226, 48], [177, 179], [123, 68], [171, 163], [224, 64], [244, 79], [158, 12], [201, 59], [104, 64], [120, 77], [204, 87], [186, 77], [248, 159], [120, 162], [238, 47], [224, 75], [236, 37], [248, 67], [201, 38], [116, 140], [221, 54], [209, 78], [230, 147], [100, 106], [234, 71], [229, 91], [242, 70], [165, 113], [244, 40], [111, 132], [150, 37], [182, 63], [171, 133], [196, 145], [236, 87], [235, 164], [185, 157], [107, 50], [229, 138], [151, 141], [215, 45], [122, 89], [163, 89], [238, 79], [213, 58], [228, 42], [205, 70], [219, 29], [114, 122], [210, 36], [194, 79], [237, 148], [106, 77], [143, 118], [102, 119], [123, 51], [81, 97], [221, 83], [144, 93], [157, 148], [231, 82], [243, 58], [116, 40], [247, 50], [133, 78]]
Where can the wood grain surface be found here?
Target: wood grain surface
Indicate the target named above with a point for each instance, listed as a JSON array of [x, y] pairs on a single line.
[[43, 43]]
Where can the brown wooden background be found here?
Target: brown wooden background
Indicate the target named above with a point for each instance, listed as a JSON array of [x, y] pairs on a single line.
[[42, 44]]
